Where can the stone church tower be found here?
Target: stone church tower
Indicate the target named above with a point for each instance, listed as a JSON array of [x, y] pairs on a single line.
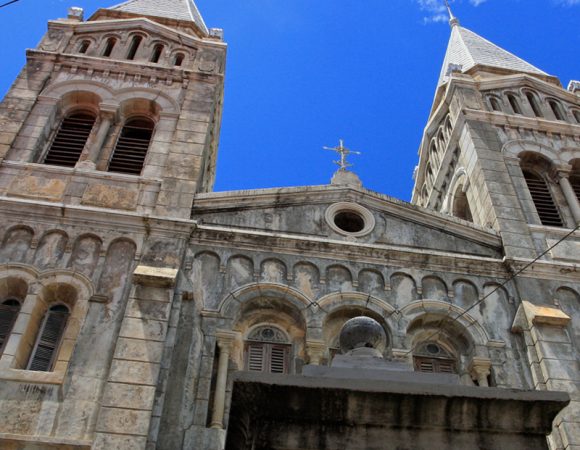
[[141, 310]]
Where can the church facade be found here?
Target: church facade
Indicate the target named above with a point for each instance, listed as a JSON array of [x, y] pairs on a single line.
[[132, 295]]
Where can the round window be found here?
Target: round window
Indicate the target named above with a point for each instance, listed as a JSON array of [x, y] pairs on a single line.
[[350, 219]]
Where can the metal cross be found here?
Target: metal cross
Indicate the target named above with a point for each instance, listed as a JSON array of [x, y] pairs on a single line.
[[343, 152]]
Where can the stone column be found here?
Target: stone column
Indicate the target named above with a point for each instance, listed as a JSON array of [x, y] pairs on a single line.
[[480, 369], [553, 364], [563, 174], [225, 340], [315, 350], [107, 118]]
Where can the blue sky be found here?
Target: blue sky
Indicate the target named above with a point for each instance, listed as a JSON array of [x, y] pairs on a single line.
[[303, 73]]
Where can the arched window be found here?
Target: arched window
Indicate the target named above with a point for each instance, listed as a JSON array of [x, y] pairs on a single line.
[[131, 149], [431, 357], [576, 114], [70, 139], [84, 46], [111, 42], [556, 109], [178, 59], [514, 103], [534, 104], [135, 43], [543, 200], [157, 51], [495, 104], [49, 339], [9, 310], [267, 350], [461, 207]]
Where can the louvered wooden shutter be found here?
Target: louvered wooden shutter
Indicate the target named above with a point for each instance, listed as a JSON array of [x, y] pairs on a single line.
[[543, 200], [277, 359], [48, 340], [131, 149], [70, 140], [434, 365], [8, 315], [575, 182], [256, 358]]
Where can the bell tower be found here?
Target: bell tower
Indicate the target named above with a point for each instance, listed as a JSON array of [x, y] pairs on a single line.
[[121, 111], [501, 147]]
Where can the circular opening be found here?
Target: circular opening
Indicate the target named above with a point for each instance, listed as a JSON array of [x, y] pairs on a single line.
[[349, 221], [433, 349]]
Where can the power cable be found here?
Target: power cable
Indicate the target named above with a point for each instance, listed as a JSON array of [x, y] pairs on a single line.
[[447, 316], [8, 3]]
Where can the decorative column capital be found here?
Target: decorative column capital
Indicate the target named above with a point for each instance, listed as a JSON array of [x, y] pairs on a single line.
[[480, 366], [561, 171], [315, 349], [225, 339], [108, 110]]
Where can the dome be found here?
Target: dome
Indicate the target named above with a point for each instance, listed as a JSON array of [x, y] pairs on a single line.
[[362, 332]]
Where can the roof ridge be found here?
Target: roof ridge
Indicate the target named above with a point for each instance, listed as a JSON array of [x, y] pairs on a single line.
[[183, 10]]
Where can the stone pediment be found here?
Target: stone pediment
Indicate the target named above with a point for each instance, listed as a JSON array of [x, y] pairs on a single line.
[[338, 213]]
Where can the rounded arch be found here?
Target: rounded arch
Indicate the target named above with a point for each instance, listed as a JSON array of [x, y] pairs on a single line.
[[513, 149], [571, 156], [164, 102], [337, 300], [58, 91], [451, 314], [82, 285], [233, 304]]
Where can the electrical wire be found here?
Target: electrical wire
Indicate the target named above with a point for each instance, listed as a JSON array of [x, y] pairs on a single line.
[[8, 3], [513, 277]]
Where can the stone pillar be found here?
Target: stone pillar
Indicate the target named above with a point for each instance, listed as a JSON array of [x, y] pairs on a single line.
[[315, 350], [553, 364], [480, 369], [563, 174], [107, 118], [125, 415], [225, 340]]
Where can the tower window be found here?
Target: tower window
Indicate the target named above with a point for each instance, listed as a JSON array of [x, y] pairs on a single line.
[[70, 139], [132, 145], [432, 358], [49, 339], [135, 43], [495, 105], [84, 46], [556, 109], [534, 104], [267, 350], [543, 200], [461, 207], [157, 51], [178, 59], [111, 42], [9, 310], [514, 104]]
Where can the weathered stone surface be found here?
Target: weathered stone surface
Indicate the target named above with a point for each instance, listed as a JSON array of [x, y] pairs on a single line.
[[109, 197]]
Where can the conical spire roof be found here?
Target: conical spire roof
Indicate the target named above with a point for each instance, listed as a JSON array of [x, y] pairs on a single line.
[[467, 49], [184, 10]]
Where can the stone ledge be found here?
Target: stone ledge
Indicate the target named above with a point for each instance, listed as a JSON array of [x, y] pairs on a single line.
[[32, 377], [8, 441], [155, 276]]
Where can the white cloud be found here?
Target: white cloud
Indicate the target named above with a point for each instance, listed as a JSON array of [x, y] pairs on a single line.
[[437, 12]]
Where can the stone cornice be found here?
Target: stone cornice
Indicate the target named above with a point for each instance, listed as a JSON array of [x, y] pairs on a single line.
[[546, 270], [325, 194], [518, 121], [330, 249], [105, 219], [143, 70]]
